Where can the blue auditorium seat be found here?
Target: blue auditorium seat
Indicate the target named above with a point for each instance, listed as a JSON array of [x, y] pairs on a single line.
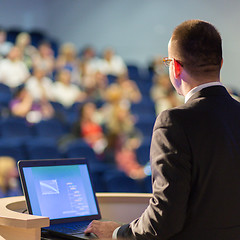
[[111, 79], [146, 106], [37, 37], [144, 87], [148, 184], [117, 181], [133, 72], [13, 148], [143, 153], [12, 34], [97, 175], [57, 106], [72, 113], [51, 128], [146, 117], [14, 127], [78, 149], [59, 109], [5, 95], [42, 148], [145, 128]]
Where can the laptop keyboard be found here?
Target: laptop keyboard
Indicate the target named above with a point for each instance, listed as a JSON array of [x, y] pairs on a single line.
[[70, 228]]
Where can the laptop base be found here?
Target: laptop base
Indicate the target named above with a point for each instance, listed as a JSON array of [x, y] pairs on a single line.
[[52, 235]]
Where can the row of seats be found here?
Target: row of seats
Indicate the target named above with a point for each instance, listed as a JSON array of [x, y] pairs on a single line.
[[144, 110], [37, 36], [12, 127], [42, 148], [113, 180], [105, 175]]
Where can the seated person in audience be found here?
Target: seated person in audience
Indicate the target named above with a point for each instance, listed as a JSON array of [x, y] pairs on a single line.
[[95, 85], [112, 63], [93, 81], [9, 185], [89, 61], [65, 92], [45, 58], [129, 88], [67, 59], [23, 105], [123, 138], [5, 46], [13, 71], [88, 128], [23, 41], [39, 85], [41, 89], [157, 66], [163, 94]]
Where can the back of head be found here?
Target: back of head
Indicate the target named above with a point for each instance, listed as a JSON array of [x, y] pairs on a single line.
[[23, 39], [7, 164], [198, 46], [114, 94]]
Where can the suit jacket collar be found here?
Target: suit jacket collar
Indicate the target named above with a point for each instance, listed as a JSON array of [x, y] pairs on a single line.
[[200, 87], [209, 91]]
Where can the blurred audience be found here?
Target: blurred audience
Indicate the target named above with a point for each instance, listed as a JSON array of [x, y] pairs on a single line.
[[123, 138], [89, 61], [163, 94], [39, 85], [112, 63], [23, 42], [95, 85], [45, 58], [129, 88], [157, 66], [13, 71], [23, 105], [67, 59], [22, 102], [88, 128], [66, 92], [5, 46]]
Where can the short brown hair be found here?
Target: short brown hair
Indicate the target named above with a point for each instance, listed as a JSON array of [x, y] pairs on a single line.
[[198, 46]]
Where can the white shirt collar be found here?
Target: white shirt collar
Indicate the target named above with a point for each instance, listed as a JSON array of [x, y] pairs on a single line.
[[199, 88]]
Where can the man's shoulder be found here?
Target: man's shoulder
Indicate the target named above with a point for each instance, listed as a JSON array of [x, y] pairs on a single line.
[[171, 116]]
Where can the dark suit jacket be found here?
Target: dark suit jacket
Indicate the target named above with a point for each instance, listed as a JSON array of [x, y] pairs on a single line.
[[195, 159]]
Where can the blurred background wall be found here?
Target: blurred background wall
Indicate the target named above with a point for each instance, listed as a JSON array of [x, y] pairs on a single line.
[[137, 29]]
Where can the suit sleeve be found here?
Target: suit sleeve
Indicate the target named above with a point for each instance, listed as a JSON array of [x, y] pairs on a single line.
[[171, 178]]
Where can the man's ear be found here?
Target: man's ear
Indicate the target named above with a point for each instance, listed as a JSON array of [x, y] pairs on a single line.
[[221, 62], [177, 69]]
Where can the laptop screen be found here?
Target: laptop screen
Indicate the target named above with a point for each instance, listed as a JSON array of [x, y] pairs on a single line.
[[58, 189]]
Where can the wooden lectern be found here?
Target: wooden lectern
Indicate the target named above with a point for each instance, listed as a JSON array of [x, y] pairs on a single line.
[[15, 225]]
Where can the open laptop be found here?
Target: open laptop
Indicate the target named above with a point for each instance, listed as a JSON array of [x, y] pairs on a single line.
[[62, 190]]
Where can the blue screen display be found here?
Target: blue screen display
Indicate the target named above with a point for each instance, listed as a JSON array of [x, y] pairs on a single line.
[[60, 191]]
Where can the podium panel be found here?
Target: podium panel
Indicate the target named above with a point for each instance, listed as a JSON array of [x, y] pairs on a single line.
[[16, 225], [122, 207]]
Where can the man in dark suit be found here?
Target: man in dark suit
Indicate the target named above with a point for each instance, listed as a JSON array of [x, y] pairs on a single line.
[[195, 150]]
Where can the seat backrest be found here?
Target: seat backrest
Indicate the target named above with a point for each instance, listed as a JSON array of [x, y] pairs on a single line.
[[143, 153], [79, 148], [15, 127], [13, 148], [42, 148], [51, 128], [117, 181]]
